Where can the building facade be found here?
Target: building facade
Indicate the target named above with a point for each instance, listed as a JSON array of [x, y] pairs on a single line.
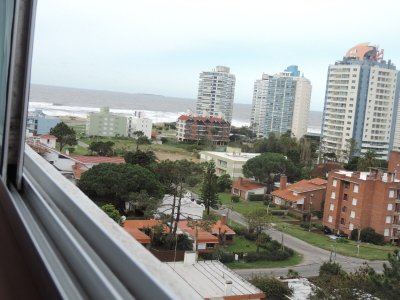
[[202, 129], [216, 93], [361, 102], [356, 200], [230, 162], [38, 123], [105, 123], [281, 102]]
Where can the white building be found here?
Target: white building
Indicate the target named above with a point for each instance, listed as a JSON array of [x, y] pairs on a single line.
[[361, 100], [281, 102], [189, 209], [139, 124], [230, 162], [216, 93]]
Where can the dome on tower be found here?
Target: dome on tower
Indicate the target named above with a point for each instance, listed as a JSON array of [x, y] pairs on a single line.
[[362, 51]]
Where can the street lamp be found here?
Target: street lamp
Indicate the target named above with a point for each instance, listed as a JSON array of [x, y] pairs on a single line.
[[309, 211]]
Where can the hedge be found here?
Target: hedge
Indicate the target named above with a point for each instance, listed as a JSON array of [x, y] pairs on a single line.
[[277, 212], [254, 197]]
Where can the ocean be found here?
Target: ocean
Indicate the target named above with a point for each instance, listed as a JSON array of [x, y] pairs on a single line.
[[63, 101]]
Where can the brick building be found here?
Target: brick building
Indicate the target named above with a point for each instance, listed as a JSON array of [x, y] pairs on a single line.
[[208, 130], [355, 200], [302, 196]]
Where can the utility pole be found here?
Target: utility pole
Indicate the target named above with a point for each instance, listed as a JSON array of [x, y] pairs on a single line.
[[309, 211]]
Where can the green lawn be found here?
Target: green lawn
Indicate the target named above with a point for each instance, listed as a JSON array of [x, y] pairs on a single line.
[[367, 251], [240, 244], [80, 151], [241, 206], [292, 261]]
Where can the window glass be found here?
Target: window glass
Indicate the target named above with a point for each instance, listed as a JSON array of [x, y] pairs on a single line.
[[6, 14]]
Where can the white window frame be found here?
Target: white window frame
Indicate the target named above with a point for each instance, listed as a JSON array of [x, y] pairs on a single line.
[[352, 214], [354, 201], [333, 195], [390, 207], [388, 219], [331, 207], [356, 188], [330, 219]]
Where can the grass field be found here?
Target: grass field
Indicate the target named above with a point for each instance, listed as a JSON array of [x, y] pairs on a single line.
[[367, 251], [241, 206]]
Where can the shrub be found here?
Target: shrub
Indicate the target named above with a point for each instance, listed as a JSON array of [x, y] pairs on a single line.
[[225, 257], [271, 286], [330, 268], [235, 198], [342, 241], [305, 225], [319, 214], [277, 212], [368, 235], [240, 230], [319, 226], [251, 236], [254, 197]]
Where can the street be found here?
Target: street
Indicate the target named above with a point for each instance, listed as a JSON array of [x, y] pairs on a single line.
[[313, 257]]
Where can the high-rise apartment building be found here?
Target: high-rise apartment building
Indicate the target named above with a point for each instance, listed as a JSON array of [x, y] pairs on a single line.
[[361, 100], [216, 93], [281, 102]]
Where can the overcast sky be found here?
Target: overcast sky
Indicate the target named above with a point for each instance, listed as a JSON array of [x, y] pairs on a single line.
[[160, 47]]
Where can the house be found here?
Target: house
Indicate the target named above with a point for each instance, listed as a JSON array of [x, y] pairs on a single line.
[[206, 242], [302, 196], [196, 129], [356, 200], [48, 140], [230, 162], [213, 280], [39, 123], [189, 208], [245, 187], [220, 229], [136, 229]]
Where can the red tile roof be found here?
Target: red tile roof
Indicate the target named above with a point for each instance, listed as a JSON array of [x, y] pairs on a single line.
[[98, 159], [140, 224], [78, 169], [48, 136], [202, 235], [219, 227], [247, 185], [140, 236], [300, 187]]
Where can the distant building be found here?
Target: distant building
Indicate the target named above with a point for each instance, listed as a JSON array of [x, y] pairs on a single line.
[[189, 208], [230, 162], [356, 200], [202, 129], [48, 140], [361, 103], [303, 196], [38, 123], [245, 187], [107, 124], [216, 93], [213, 280], [281, 102]]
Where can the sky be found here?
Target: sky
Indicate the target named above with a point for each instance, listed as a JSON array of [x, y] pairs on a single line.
[[160, 47]]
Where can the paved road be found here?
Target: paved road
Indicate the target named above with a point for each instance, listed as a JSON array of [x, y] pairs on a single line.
[[313, 256]]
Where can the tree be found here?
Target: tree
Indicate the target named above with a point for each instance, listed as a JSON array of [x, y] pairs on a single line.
[[102, 148], [350, 149], [115, 182], [257, 220], [112, 212], [204, 224], [272, 287], [141, 139], [224, 182], [305, 151], [263, 168], [209, 188], [142, 158], [368, 160], [144, 204], [65, 135], [368, 235], [174, 176]]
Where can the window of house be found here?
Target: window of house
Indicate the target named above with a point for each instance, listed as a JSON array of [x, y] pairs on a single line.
[[334, 183], [355, 189], [330, 219], [390, 207], [388, 219], [344, 209], [391, 193], [351, 226], [353, 214], [386, 232], [342, 221], [345, 196], [346, 184], [333, 195], [354, 202], [331, 207]]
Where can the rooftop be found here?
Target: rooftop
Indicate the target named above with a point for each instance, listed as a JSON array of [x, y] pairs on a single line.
[[294, 191], [209, 279], [203, 119], [98, 159], [48, 136], [247, 185]]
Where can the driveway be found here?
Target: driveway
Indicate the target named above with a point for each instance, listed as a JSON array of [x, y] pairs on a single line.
[[313, 257]]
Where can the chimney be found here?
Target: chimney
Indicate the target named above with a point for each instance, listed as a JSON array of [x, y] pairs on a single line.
[[190, 258], [228, 288], [282, 182], [223, 220]]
